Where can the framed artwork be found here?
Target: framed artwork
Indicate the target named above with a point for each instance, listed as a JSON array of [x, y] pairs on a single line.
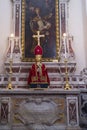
[[40, 15]]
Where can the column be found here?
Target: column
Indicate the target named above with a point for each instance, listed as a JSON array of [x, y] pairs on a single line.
[[17, 17]]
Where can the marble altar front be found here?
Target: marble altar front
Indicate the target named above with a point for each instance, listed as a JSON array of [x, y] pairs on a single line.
[[39, 109]]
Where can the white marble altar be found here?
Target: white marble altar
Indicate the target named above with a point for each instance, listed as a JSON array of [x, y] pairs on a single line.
[[39, 109]]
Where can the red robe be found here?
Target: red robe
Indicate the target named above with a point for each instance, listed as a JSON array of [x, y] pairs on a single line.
[[38, 75]]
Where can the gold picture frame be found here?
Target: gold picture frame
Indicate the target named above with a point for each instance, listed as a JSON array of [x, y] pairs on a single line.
[[43, 16]]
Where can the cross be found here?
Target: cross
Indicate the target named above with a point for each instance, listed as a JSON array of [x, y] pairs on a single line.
[[38, 36]]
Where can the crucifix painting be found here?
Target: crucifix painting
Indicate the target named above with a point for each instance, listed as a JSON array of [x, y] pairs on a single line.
[[42, 16]]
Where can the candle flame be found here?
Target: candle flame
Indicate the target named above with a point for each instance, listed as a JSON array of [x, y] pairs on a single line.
[[12, 35], [64, 34]]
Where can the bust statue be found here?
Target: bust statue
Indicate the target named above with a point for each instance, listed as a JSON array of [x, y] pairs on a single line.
[[38, 76]]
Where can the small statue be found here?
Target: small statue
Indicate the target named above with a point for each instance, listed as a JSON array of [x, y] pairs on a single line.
[[38, 76]]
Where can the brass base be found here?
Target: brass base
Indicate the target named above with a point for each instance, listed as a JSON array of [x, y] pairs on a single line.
[[9, 86], [67, 86]]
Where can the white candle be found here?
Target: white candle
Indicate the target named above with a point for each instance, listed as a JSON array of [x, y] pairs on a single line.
[[65, 42], [11, 44]]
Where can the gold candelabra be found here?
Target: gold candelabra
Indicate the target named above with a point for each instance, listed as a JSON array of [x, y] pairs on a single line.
[[67, 85], [10, 75]]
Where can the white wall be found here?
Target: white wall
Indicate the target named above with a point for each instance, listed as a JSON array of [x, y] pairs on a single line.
[[5, 29], [77, 30]]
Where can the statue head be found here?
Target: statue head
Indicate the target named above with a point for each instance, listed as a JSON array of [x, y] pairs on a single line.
[[38, 53]]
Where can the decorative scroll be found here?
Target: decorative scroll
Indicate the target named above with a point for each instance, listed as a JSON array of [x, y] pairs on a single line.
[[72, 111], [39, 111], [83, 109], [40, 15], [4, 110]]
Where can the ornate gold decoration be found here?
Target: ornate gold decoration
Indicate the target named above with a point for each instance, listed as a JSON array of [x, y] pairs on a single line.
[[57, 28], [67, 85], [10, 75]]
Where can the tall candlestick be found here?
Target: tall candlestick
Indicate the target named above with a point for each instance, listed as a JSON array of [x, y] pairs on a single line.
[[10, 75], [11, 48], [65, 42]]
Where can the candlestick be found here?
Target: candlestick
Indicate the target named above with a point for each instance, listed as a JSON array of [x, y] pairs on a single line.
[[11, 48], [67, 85]]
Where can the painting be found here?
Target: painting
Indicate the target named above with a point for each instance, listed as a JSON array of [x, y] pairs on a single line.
[[42, 16]]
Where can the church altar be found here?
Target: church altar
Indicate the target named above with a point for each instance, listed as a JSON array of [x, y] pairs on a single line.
[[61, 106], [52, 108]]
